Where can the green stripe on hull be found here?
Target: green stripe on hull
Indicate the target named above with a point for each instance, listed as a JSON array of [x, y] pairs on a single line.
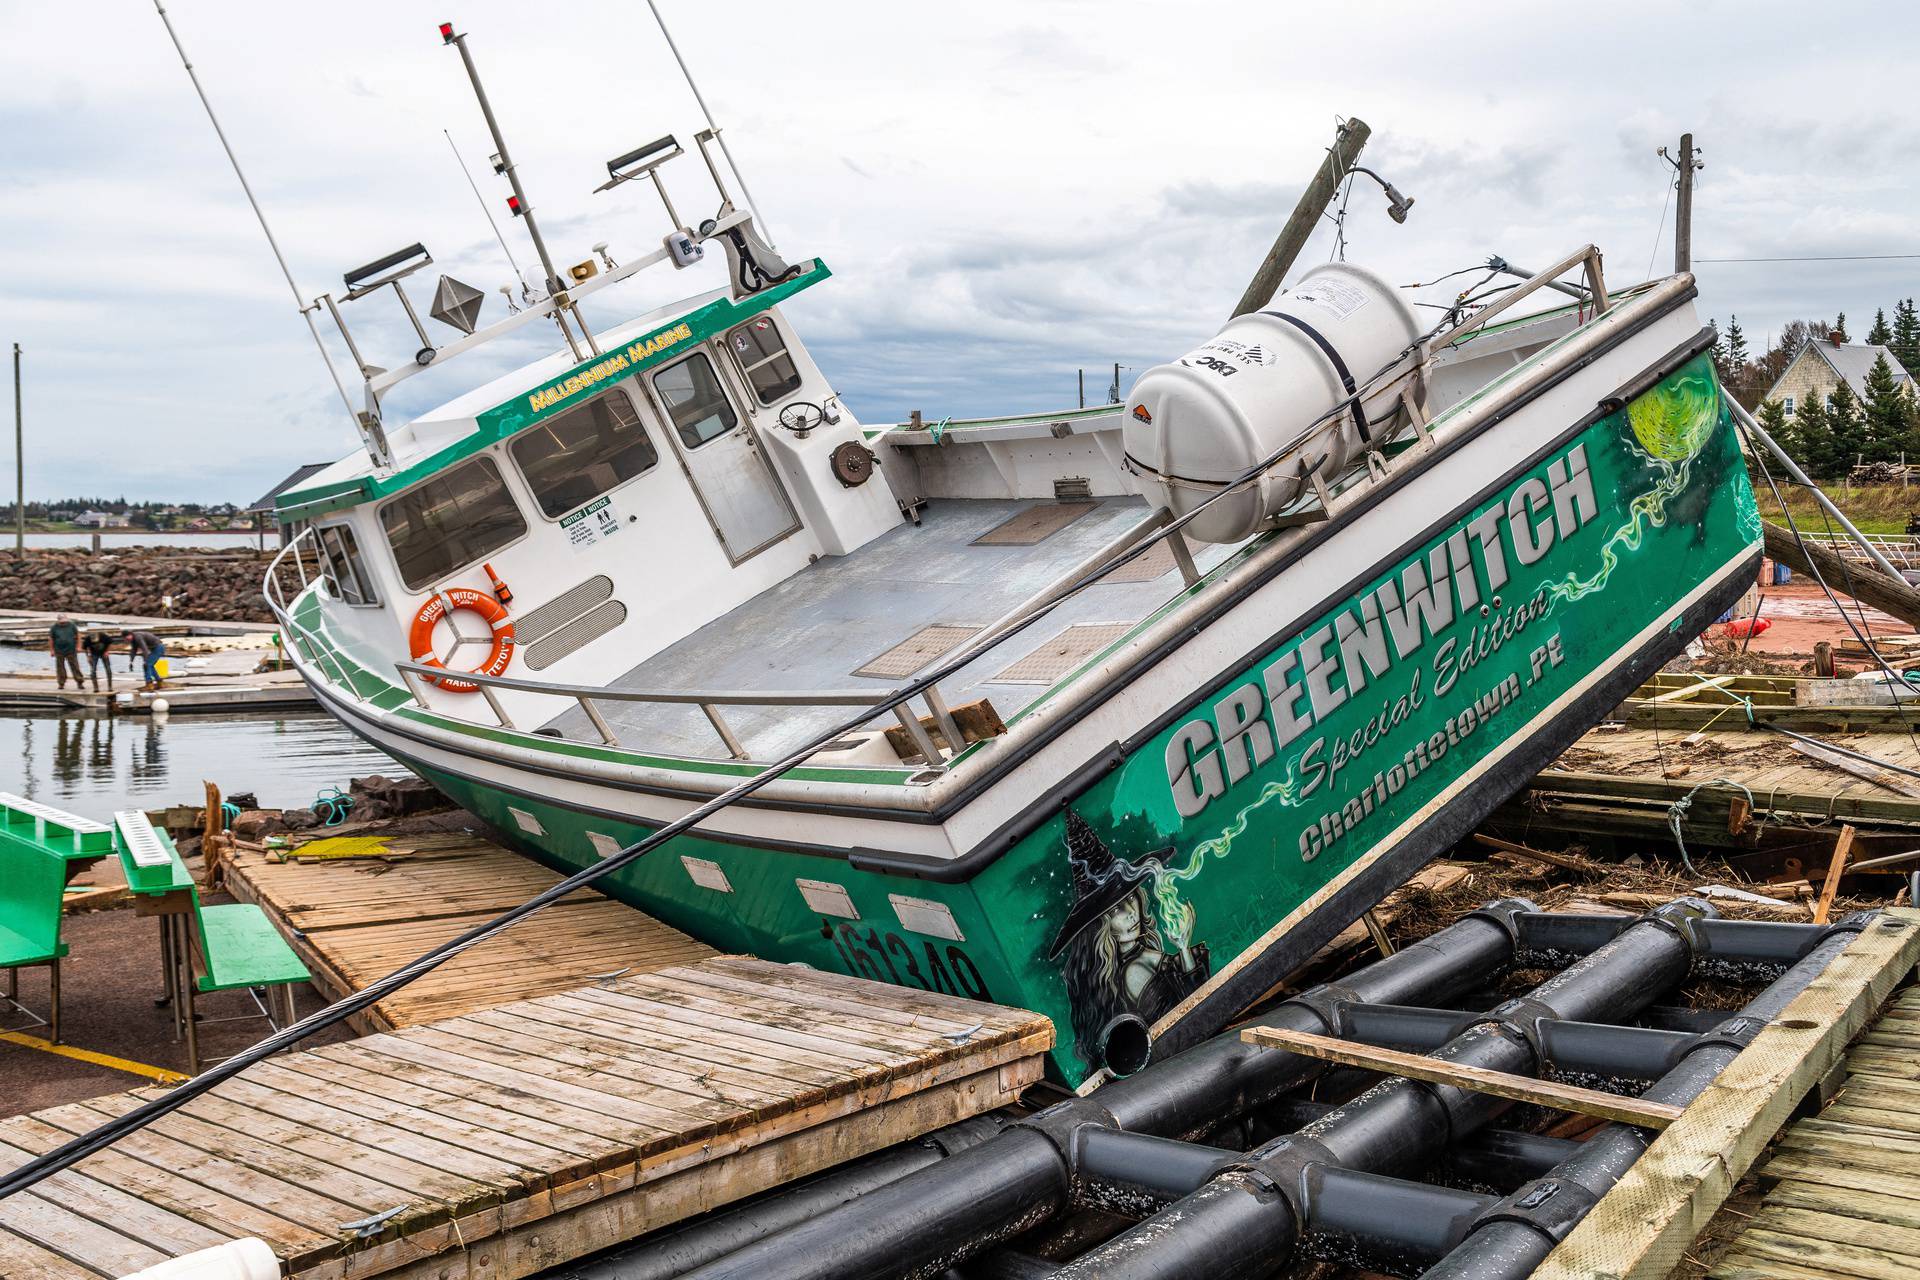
[[1278, 785]]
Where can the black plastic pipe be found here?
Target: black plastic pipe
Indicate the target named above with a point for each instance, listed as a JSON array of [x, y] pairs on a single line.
[[718, 1234], [1510, 1245], [1502, 1158], [1548, 938], [937, 1216], [1165, 1167], [1247, 1220], [1387, 1218], [1577, 1048]]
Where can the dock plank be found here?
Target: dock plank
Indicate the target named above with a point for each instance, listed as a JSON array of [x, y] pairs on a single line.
[[1843, 1194], [508, 1140], [355, 920]]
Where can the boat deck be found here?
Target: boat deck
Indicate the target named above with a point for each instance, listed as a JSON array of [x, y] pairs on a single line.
[[355, 920], [837, 624], [509, 1141]]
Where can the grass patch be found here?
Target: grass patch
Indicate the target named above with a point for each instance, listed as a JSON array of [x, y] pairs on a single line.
[[1878, 509]]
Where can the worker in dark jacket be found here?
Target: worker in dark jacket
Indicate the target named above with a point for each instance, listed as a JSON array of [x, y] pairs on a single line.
[[145, 646], [97, 645], [63, 640]]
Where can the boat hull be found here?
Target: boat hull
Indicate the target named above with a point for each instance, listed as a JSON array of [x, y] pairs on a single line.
[[1222, 841]]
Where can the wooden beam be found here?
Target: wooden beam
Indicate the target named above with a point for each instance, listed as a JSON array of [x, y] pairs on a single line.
[[1532, 855], [1693, 690], [1640, 1229], [1864, 582], [1831, 885], [1352, 136], [1899, 783], [1501, 1084]]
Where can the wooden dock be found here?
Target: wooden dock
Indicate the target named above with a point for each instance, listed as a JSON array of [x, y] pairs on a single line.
[[1845, 1195], [506, 1142], [353, 920]]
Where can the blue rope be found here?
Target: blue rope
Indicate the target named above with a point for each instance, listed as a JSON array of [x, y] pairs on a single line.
[[331, 806], [1678, 809]]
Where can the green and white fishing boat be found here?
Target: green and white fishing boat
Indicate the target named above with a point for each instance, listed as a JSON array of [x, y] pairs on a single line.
[[588, 595]]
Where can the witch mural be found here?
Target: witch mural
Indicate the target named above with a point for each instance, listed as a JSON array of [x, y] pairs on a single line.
[[1120, 976]]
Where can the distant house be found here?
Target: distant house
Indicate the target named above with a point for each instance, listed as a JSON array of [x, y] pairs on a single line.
[[102, 520], [199, 522], [1823, 365], [240, 522]]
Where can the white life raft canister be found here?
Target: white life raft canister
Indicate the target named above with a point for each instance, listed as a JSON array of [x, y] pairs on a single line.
[[1196, 424]]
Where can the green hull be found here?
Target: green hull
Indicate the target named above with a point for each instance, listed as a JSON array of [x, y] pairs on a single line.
[[1303, 782]]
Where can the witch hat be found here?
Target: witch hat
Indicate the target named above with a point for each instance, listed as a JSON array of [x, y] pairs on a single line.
[[1100, 880]]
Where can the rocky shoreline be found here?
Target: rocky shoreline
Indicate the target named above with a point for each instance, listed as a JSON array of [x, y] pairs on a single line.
[[204, 582]]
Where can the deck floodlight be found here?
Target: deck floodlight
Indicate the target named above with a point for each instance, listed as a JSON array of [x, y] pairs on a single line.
[[457, 304], [382, 272], [1397, 204], [640, 162]]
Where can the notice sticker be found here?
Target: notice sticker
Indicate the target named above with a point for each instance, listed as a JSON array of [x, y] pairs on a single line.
[[591, 524], [1331, 293]]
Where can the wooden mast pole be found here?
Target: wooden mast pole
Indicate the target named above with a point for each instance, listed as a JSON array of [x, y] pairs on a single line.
[[1352, 136]]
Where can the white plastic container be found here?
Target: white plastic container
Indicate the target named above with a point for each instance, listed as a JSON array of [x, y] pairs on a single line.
[[248, 1259], [1194, 425]]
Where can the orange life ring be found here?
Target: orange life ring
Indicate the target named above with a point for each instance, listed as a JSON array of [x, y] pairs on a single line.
[[420, 635]]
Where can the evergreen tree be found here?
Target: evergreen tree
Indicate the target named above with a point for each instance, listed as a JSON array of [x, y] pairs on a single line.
[[1847, 428], [1905, 342], [1879, 335], [1812, 442], [1736, 343], [1886, 413], [1722, 360], [1839, 331], [1772, 416]]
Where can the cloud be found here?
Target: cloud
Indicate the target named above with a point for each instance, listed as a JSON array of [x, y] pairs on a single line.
[[1004, 200]]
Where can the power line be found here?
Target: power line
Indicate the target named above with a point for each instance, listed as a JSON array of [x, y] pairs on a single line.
[[1836, 257]]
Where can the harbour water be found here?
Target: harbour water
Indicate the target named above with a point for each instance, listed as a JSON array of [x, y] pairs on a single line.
[[94, 765]]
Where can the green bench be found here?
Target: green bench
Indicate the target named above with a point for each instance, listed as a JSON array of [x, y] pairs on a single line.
[[224, 947], [40, 847]]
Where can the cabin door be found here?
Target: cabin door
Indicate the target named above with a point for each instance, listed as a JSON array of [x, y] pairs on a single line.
[[729, 470]]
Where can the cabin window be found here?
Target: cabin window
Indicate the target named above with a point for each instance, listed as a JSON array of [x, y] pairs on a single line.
[[763, 357], [577, 456], [696, 401], [1787, 404], [345, 572], [451, 521]]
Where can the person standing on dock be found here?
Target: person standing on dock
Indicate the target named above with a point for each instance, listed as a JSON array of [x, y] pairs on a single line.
[[146, 646], [98, 646], [63, 640]]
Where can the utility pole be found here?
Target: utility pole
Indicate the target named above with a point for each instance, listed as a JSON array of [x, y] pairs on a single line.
[[1083, 388], [19, 465], [1352, 136], [1683, 206]]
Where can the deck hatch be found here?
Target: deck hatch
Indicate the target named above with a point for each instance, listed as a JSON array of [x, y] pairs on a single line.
[[541, 621], [1062, 653], [577, 634], [1035, 524], [1152, 563], [917, 650]]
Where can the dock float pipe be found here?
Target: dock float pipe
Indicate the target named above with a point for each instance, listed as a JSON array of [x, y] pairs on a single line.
[[1248, 1219], [1509, 1244]]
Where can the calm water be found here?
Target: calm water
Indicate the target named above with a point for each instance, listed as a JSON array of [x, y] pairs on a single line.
[[109, 541], [94, 765]]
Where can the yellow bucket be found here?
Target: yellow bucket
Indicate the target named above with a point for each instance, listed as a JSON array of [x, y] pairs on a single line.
[[160, 668]]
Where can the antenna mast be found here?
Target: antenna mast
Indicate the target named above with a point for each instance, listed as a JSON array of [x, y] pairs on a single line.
[[732, 164], [520, 205], [375, 440], [511, 260]]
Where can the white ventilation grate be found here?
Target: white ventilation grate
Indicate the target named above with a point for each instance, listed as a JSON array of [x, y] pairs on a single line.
[[576, 635], [537, 623], [47, 813]]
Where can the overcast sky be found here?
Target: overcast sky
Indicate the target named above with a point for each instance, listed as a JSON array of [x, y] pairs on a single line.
[[1005, 191]]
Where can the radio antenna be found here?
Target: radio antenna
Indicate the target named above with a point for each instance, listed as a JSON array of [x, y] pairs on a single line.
[[306, 308], [526, 294], [739, 177]]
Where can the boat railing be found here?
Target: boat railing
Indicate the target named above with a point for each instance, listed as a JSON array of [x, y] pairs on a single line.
[[709, 702], [298, 636]]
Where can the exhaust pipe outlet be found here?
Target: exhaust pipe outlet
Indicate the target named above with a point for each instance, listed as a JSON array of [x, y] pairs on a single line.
[[1126, 1044]]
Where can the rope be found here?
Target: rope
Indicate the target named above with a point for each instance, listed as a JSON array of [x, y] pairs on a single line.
[[332, 806], [1678, 810]]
